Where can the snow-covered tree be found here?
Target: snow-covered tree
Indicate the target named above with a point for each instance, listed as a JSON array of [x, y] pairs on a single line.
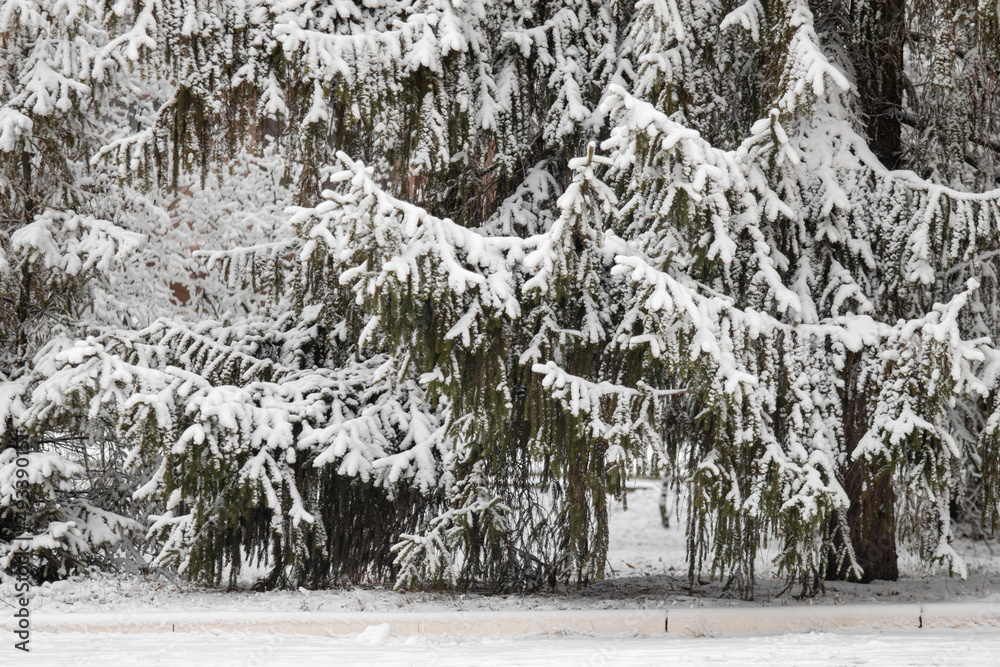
[[773, 275], [67, 234], [825, 421]]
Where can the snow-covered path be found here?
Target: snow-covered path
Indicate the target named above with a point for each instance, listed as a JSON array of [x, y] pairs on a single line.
[[899, 647]]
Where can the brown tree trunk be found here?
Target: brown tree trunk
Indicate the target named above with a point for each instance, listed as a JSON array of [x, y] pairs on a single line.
[[868, 484], [877, 53], [880, 31]]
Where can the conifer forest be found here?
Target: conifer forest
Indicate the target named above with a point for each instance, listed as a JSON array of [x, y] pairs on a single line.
[[403, 292]]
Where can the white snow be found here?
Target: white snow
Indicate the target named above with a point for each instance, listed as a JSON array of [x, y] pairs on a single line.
[[935, 647]]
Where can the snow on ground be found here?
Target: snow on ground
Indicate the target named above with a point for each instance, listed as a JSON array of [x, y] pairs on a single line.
[[647, 560], [374, 647], [647, 570]]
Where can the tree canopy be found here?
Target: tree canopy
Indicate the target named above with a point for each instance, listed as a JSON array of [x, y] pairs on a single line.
[[407, 289]]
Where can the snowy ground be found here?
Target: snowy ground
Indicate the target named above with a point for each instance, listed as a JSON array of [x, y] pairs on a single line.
[[940, 647], [648, 572]]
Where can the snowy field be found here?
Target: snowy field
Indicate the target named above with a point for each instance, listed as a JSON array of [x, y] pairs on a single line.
[[648, 573], [939, 647]]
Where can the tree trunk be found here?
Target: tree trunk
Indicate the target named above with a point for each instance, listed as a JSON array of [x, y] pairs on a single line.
[[879, 33], [880, 30], [868, 484]]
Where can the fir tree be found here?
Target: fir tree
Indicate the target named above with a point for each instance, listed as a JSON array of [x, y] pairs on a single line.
[[773, 277], [66, 233]]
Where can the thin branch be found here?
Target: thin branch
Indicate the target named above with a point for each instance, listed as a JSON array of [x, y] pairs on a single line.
[[907, 118]]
